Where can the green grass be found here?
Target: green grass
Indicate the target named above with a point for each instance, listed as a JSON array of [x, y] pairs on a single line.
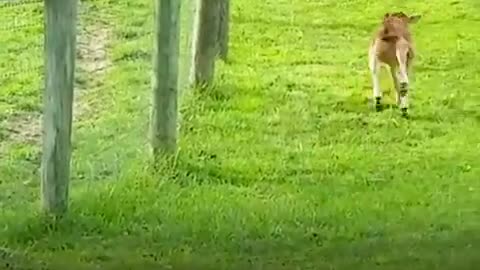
[[282, 165]]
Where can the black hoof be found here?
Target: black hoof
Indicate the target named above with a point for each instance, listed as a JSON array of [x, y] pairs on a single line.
[[404, 112], [378, 104]]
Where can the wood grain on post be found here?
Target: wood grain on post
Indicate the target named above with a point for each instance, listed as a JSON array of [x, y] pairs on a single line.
[[223, 31], [205, 42], [60, 45], [165, 79]]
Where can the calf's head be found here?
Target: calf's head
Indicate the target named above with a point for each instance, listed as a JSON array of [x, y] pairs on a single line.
[[400, 18], [396, 24]]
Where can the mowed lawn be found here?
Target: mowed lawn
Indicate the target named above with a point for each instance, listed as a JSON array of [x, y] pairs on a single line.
[[282, 165]]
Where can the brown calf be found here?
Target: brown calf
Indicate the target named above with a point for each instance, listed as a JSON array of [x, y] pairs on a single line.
[[393, 46]]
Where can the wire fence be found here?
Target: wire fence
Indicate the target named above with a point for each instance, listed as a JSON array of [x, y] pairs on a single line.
[[108, 35], [114, 65], [21, 28]]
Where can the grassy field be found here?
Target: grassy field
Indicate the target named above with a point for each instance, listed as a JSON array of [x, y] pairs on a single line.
[[283, 164]]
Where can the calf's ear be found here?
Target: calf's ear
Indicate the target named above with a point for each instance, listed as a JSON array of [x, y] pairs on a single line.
[[414, 18]]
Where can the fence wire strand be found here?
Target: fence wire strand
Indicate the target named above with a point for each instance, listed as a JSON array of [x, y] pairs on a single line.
[[16, 3]]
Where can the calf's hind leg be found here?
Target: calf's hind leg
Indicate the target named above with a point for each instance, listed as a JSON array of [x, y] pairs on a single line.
[[402, 59], [394, 74], [374, 70]]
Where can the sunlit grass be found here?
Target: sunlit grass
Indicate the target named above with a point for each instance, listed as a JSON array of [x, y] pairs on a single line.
[[283, 165]]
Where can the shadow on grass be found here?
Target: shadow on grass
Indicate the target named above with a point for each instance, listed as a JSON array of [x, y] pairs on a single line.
[[138, 224], [253, 250], [442, 111]]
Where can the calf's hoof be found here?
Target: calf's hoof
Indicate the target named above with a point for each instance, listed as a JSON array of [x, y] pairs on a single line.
[[378, 104], [404, 112]]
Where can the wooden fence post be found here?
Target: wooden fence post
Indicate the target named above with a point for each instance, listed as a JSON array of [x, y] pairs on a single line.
[[223, 31], [165, 79], [205, 47], [60, 45]]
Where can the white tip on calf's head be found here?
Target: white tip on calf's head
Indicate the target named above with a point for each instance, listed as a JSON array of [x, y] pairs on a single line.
[[414, 18], [401, 15]]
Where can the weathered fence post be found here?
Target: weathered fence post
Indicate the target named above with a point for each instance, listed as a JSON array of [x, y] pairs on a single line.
[[205, 37], [60, 45], [165, 79], [223, 31]]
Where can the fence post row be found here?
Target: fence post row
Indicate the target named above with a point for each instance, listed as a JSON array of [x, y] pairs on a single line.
[[165, 79], [223, 33], [60, 44], [205, 48]]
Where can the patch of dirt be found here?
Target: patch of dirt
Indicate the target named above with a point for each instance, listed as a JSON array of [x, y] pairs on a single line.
[[25, 127], [92, 49], [92, 62]]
